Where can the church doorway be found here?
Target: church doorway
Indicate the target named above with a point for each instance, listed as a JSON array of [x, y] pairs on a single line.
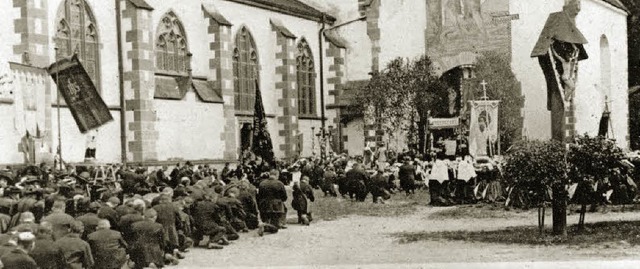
[[246, 135]]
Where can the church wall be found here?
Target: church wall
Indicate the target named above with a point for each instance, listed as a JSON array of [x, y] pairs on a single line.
[[307, 136], [589, 98], [189, 129], [74, 143], [590, 105], [355, 134]]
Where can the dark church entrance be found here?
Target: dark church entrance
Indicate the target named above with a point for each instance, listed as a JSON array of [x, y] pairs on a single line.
[[246, 135]]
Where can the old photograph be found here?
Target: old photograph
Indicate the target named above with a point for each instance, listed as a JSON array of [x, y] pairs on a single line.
[[319, 134]]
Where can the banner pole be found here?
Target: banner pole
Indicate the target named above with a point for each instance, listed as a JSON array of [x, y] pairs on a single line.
[[58, 110]]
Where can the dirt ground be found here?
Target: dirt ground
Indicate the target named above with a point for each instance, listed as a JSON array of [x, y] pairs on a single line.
[[359, 240]]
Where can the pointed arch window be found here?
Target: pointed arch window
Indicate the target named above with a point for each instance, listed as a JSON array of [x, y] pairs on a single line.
[[171, 46], [306, 80], [245, 71], [605, 66], [76, 33]]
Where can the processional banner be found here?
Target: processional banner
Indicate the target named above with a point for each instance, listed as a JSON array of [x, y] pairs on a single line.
[[80, 94], [483, 127]]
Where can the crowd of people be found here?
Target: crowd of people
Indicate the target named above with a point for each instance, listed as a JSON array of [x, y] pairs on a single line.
[[115, 215]]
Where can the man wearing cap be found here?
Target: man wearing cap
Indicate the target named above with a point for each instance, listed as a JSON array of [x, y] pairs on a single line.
[[148, 241], [108, 211], [90, 219], [19, 257], [77, 252], [60, 221], [47, 254], [108, 247]]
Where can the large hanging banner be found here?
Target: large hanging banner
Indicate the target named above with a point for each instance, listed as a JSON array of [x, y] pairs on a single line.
[[483, 128], [87, 107]]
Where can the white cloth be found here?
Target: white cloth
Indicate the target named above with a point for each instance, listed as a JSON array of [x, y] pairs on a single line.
[[466, 171], [440, 171]]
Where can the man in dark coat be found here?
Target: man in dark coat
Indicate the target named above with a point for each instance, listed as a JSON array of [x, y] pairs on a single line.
[[19, 256], [108, 211], [108, 247], [301, 192], [169, 218], [407, 174], [378, 187], [205, 215], [271, 198], [60, 221], [77, 252], [149, 242], [90, 219], [357, 179], [45, 253], [126, 222], [247, 196]]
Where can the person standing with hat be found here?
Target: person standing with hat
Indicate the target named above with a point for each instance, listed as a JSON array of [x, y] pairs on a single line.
[[46, 254], [19, 256], [77, 252], [271, 198], [60, 220]]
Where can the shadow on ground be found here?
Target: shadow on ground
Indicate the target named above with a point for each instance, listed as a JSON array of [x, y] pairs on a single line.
[[600, 233]]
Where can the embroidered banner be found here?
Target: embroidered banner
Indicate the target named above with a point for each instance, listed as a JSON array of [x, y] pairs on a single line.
[[87, 107], [262, 145], [483, 128]]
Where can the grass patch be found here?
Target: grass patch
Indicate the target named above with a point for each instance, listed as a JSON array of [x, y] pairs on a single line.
[[601, 233], [331, 208], [479, 211]]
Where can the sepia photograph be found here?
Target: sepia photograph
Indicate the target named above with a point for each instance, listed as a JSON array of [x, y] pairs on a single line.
[[426, 134]]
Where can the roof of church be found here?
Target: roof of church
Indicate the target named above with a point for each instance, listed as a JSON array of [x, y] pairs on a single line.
[[618, 4], [289, 7]]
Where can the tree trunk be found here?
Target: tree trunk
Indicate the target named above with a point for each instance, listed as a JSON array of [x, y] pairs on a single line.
[[541, 219], [559, 210], [422, 141]]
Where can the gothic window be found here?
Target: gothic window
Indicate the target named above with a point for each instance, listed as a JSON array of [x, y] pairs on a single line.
[[245, 71], [605, 67], [306, 80], [76, 33], [171, 46]]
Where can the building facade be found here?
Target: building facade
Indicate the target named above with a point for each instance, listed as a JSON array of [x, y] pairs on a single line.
[[180, 76]]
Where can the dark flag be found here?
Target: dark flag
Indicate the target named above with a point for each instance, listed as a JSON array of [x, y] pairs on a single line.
[[262, 145], [77, 89]]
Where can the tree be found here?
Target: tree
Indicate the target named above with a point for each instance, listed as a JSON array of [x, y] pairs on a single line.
[[534, 167], [401, 96], [495, 69]]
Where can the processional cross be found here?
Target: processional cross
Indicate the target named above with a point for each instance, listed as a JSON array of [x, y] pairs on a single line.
[[484, 90]]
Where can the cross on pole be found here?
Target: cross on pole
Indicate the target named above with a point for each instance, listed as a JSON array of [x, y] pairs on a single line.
[[484, 90]]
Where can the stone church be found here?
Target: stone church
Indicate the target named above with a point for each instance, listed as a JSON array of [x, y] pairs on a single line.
[[180, 77]]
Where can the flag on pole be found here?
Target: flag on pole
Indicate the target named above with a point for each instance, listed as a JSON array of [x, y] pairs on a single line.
[[262, 145], [74, 84]]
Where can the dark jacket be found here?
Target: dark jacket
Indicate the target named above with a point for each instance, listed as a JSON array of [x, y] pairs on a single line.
[[46, 254], [110, 214], [126, 225], [205, 215], [90, 222], [169, 217], [148, 243], [76, 252], [407, 174], [301, 193], [271, 196], [108, 248], [18, 259]]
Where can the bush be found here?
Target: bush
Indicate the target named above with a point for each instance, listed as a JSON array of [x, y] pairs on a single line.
[[533, 166]]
